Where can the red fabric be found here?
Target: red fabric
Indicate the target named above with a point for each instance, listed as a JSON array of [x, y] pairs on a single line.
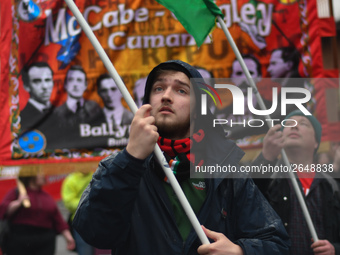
[[5, 186], [174, 147], [321, 28], [5, 42], [42, 213], [306, 180], [327, 27]]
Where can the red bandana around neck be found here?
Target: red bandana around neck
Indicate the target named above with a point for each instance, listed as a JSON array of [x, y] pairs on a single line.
[[178, 155], [175, 147]]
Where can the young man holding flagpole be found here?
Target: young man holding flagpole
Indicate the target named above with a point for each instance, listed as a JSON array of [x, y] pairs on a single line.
[[130, 207]]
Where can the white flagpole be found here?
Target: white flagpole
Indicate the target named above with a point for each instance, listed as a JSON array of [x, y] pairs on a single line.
[[268, 118], [159, 155]]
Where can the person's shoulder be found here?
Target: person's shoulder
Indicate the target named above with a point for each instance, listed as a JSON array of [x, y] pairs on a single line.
[[28, 107], [28, 112]]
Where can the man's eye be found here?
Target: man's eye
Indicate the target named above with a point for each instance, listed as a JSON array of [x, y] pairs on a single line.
[[290, 123], [157, 89], [182, 91]]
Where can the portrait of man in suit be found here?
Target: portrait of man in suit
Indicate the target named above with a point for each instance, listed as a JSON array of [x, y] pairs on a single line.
[[116, 117], [77, 109], [115, 113], [38, 82], [284, 64], [283, 70]]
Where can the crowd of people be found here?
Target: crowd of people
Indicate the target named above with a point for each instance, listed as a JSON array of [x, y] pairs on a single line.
[[128, 206]]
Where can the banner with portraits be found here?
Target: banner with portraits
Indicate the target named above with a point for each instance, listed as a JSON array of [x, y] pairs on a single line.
[[61, 110]]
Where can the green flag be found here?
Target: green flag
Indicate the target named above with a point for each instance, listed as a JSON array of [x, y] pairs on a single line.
[[198, 17]]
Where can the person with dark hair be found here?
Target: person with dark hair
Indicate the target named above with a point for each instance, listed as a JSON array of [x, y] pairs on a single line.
[[253, 65], [76, 110], [116, 118], [301, 139], [38, 82], [115, 113], [33, 229], [284, 63], [129, 206], [284, 72]]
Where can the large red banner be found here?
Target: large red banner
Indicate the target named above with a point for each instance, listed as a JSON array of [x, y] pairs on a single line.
[[60, 112]]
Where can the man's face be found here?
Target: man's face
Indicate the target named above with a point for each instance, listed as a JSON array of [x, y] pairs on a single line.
[[171, 104], [75, 84], [40, 180], [40, 84], [302, 136], [110, 93], [238, 76], [277, 67]]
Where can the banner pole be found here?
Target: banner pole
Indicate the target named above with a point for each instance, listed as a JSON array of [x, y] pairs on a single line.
[[158, 153], [268, 118]]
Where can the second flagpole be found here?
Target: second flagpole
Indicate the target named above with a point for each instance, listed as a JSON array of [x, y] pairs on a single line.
[[268, 118]]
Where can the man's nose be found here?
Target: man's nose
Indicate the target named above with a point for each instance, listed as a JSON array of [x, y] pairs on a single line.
[[296, 125], [167, 95]]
